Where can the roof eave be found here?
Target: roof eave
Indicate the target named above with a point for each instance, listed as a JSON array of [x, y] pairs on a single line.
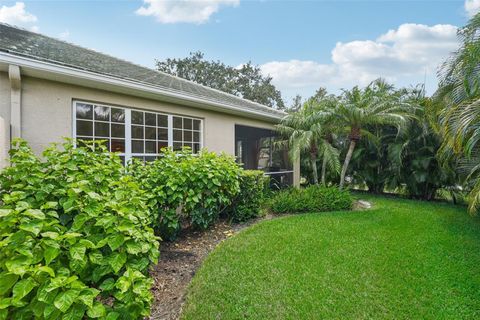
[[55, 72]]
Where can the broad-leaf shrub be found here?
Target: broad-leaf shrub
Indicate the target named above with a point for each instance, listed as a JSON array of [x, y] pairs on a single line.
[[75, 240], [248, 204], [311, 199], [182, 185]]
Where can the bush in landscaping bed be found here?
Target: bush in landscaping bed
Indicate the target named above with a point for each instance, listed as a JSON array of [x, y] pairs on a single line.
[[310, 199], [75, 240], [248, 203], [201, 185]]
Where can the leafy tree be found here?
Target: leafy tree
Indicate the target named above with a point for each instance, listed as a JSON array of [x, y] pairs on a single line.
[[304, 132], [413, 154], [370, 164], [320, 94], [246, 81], [458, 101], [361, 109], [296, 103]]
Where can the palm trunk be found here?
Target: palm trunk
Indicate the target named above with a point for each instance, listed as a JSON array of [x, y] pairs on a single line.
[[324, 169], [348, 157], [313, 159]]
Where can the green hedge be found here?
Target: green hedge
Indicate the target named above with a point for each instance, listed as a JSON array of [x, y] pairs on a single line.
[[74, 236], [248, 204], [201, 185], [310, 199]]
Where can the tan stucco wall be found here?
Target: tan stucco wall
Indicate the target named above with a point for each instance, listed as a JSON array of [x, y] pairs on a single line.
[[47, 114], [5, 95]]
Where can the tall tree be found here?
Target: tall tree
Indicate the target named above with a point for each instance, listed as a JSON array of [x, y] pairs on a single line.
[[361, 110], [245, 81], [296, 104], [412, 155], [458, 101], [303, 131]]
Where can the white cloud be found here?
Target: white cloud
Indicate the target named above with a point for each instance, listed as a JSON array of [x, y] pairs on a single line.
[[401, 55], [298, 73], [472, 7], [189, 11], [17, 15]]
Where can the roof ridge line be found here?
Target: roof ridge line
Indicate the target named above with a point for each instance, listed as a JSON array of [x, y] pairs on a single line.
[[259, 105]]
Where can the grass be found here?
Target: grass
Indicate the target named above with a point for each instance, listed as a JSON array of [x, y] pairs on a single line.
[[402, 259]]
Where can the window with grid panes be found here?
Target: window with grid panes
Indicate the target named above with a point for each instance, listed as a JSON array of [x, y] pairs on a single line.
[[99, 122], [186, 133], [136, 133]]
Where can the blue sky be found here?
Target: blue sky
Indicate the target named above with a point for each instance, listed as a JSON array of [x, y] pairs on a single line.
[[301, 44]]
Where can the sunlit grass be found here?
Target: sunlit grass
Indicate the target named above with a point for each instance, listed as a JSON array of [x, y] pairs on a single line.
[[400, 260]]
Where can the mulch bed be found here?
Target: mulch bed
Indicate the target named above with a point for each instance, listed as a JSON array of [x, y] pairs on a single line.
[[179, 260]]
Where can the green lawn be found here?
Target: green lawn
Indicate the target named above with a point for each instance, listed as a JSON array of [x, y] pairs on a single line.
[[400, 260]]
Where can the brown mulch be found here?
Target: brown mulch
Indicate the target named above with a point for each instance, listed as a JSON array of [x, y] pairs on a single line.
[[179, 260]]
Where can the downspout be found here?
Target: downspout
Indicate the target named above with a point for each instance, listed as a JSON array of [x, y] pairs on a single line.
[[15, 101], [11, 120]]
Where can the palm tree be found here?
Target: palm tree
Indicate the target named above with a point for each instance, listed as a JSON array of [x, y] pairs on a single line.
[[363, 109], [303, 131], [459, 90], [458, 98]]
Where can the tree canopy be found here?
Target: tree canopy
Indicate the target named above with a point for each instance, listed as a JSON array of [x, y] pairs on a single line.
[[245, 81]]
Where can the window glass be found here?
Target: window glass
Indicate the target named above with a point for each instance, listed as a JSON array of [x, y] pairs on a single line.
[[187, 135], [150, 131], [196, 124], [163, 134], [84, 128], [162, 121], [118, 115], [102, 129], [118, 145], [102, 113], [137, 132], [150, 147], [150, 119], [118, 130], [177, 135], [137, 117], [137, 146], [101, 123], [177, 122], [196, 147], [187, 123], [162, 144], [84, 111]]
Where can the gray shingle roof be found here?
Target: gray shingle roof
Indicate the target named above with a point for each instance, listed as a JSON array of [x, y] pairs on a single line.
[[39, 47]]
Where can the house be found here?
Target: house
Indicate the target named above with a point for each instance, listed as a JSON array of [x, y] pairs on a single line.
[[50, 89]]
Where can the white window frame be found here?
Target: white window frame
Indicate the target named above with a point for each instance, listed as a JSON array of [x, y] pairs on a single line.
[[128, 127]]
